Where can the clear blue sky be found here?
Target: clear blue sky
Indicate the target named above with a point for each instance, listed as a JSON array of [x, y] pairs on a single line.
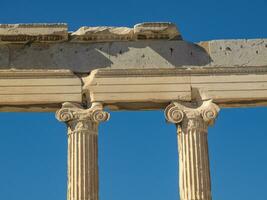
[[138, 150]]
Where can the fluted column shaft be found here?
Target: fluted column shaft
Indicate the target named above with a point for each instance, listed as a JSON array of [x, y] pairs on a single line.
[[192, 124], [82, 149]]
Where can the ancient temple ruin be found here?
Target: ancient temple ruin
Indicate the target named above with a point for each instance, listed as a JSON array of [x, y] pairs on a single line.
[[44, 67]]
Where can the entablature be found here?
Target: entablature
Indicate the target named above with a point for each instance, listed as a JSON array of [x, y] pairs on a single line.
[[144, 67]]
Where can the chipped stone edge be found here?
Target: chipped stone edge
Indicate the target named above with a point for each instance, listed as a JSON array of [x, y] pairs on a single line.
[[37, 32], [25, 33]]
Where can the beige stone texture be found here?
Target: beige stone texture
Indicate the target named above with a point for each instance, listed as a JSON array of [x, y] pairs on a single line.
[[192, 123], [128, 73], [83, 181], [142, 31], [154, 30], [132, 89], [102, 33], [228, 53], [154, 88], [147, 67], [21, 33], [39, 87], [85, 57]]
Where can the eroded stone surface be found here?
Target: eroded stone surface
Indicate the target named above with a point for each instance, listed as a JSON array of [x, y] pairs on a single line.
[[4, 56], [158, 30], [192, 127], [102, 33], [84, 57], [156, 54], [143, 31], [18, 33], [118, 47], [22, 33], [230, 53]]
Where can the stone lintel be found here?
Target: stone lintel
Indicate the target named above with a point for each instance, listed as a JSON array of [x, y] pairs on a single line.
[[132, 89], [153, 88], [38, 88]]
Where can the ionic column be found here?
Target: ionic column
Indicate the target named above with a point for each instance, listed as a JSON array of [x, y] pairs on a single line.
[[82, 149], [192, 125]]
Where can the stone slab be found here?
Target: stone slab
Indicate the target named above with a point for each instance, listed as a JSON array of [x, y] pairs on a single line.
[[152, 88], [21, 33], [160, 30], [102, 34], [142, 31], [20, 87], [4, 56], [85, 57], [229, 53]]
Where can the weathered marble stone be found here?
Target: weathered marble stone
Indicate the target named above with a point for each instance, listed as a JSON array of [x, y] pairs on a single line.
[[130, 88], [4, 56], [33, 87], [156, 54], [84, 57], [21, 33], [232, 72], [102, 33], [153, 31], [160, 30], [148, 67], [83, 183], [192, 123], [228, 53], [29, 46]]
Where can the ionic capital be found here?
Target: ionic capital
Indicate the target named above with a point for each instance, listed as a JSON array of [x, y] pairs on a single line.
[[179, 113], [80, 120], [71, 111]]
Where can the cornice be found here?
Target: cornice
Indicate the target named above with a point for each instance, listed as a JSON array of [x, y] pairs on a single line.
[[24, 33], [40, 73], [183, 71]]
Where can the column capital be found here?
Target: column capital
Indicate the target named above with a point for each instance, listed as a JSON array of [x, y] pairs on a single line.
[[72, 111], [177, 112], [80, 120]]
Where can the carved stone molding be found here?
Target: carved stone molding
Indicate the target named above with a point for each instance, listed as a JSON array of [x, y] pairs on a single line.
[[192, 115], [21, 33], [181, 71], [39, 87], [71, 111], [227, 87], [80, 119], [102, 33], [160, 30]]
